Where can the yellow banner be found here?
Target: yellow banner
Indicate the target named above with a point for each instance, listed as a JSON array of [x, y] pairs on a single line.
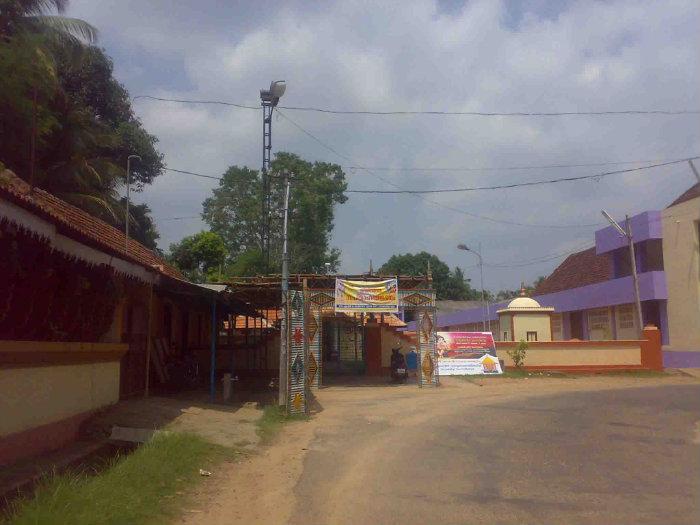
[[366, 296]]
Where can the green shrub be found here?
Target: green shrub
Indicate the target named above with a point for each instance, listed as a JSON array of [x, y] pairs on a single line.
[[518, 354]]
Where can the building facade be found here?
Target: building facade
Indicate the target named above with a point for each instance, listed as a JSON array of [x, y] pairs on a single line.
[[592, 291]]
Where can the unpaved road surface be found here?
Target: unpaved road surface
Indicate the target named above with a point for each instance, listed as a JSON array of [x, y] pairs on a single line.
[[586, 450]]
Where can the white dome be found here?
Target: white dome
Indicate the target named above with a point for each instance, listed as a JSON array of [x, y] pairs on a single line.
[[523, 302]]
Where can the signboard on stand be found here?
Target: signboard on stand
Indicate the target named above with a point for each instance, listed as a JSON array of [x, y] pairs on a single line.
[[366, 296], [467, 353]]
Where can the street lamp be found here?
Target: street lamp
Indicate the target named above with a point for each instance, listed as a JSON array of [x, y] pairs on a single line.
[[485, 308], [627, 233], [268, 100], [128, 196]]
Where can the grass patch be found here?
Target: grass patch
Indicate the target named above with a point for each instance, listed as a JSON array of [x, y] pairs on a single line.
[[635, 373], [138, 488], [271, 421]]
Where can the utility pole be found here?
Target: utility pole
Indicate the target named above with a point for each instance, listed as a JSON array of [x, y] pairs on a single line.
[[128, 196], [627, 232], [284, 327], [268, 100], [484, 305]]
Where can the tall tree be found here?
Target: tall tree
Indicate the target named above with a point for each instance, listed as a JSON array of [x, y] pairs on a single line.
[[235, 212], [58, 93], [200, 257], [447, 284]]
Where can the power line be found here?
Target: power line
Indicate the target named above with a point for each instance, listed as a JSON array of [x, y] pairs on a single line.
[[541, 259], [181, 218], [509, 168], [205, 102], [524, 184], [438, 113], [193, 174], [438, 204]]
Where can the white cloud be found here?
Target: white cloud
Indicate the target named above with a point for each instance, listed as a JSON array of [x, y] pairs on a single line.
[[586, 56]]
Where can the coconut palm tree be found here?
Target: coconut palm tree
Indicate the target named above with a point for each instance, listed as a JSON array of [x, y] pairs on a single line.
[[27, 17]]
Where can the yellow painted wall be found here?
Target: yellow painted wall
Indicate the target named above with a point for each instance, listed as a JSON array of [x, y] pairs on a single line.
[[30, 397], [682, 268], [552, 355], [532, 322]]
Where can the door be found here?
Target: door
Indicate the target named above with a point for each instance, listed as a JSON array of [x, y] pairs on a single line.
[[576, 319]]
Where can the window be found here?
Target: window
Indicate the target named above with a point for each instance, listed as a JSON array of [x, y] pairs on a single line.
[[556, 327], [505, 336], [598, 319], [532, 336], [625, 315]]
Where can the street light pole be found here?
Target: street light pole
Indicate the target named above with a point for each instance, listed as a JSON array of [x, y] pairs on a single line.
[[484, 304], [284, 326], [128, 197], [268, 100], [627, 232]]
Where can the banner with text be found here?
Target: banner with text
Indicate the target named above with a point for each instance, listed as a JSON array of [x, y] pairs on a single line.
[[366, 296], [467, 353]]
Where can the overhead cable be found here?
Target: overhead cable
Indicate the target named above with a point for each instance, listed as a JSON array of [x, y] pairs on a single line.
[[523, 184], [439, 113]]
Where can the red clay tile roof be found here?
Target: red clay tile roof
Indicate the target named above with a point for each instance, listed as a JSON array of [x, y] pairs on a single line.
[[692, 192], [579, 269], [80, 225]]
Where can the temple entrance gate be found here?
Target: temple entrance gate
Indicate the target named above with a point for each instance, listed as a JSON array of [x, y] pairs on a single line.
[[308, 304]]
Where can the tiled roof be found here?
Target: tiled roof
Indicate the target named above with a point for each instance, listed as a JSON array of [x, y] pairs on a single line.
[[80, 225], [692, 193], [579, 269]]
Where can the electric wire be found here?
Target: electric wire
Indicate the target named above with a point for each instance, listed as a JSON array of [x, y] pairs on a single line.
[[524, 184], [434, 112], [435, 203]]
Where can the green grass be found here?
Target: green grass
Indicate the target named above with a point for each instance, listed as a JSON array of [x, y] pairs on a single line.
[[271, 421], [146, 486]]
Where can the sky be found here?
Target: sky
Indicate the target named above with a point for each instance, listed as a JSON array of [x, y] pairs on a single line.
[[490, 56]]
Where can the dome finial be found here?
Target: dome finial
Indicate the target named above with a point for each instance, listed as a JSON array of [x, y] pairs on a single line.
[[523, 292]]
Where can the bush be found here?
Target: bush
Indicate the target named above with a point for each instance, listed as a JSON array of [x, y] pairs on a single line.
[[518, 354]]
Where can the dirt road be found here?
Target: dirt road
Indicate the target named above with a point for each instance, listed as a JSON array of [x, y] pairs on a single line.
[[585, 450]]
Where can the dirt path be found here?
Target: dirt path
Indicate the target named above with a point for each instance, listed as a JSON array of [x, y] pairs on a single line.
[[354, 451]]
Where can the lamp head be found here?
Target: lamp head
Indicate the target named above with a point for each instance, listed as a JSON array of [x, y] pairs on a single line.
[[463, 247]]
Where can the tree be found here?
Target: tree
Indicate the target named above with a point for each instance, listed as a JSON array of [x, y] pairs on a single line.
[[142, 228], [447, 284], [200, 256], [58, 92], [235, 213]]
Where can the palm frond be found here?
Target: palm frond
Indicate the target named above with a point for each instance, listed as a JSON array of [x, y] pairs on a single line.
[[67, 27]]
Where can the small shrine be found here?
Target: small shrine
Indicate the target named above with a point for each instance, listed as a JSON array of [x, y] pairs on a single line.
[[525, 319]]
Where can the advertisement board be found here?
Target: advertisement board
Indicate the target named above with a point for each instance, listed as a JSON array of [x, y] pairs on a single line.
[[366, 296], [467, 353]]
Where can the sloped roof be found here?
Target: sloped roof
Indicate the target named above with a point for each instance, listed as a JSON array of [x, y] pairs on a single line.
[[691, 193], [80, 225], [578, 269]]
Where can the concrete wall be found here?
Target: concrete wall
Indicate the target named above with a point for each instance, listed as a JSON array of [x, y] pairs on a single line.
[[48, 388], [591, 355], [30, 397], [524, 322], [682, 268], [576, 354]]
